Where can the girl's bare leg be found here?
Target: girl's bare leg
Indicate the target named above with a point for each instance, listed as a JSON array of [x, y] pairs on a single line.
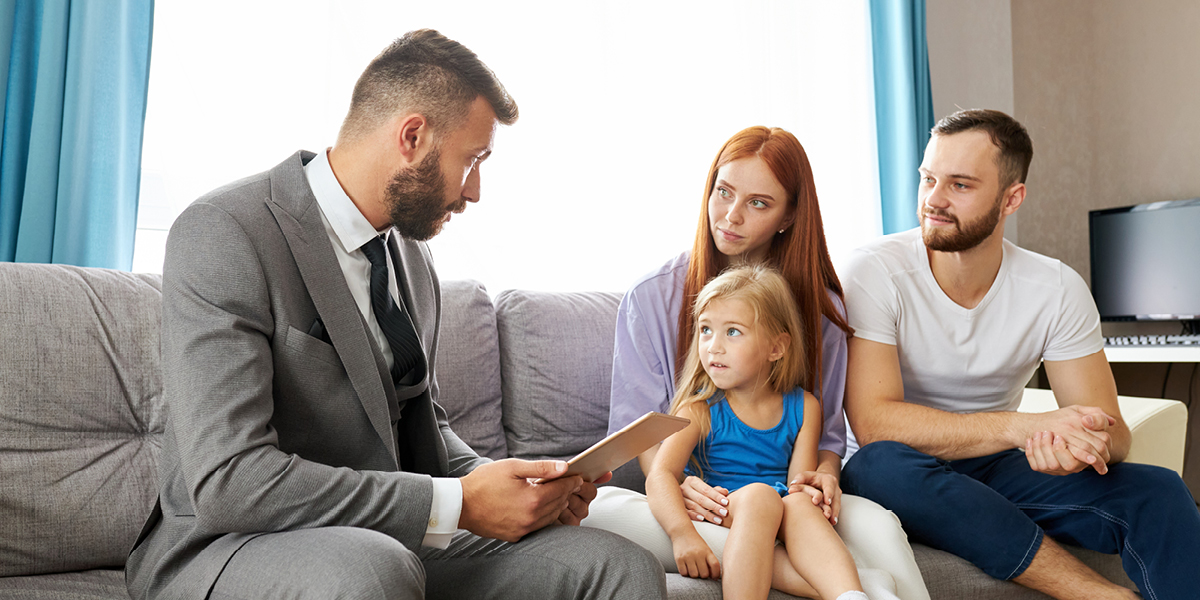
[[814, 549], [755, 513], [785, 578]]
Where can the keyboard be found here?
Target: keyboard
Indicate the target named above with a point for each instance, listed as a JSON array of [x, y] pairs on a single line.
[[1170, 341]]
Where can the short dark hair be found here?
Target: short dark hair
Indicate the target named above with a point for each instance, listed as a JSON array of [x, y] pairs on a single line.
[[1016, 149], [425, 72]]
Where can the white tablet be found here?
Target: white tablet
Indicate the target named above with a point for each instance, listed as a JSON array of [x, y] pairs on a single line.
[[624, 445]]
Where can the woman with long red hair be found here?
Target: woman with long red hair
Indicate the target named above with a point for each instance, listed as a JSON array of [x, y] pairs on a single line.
[[759, 207]]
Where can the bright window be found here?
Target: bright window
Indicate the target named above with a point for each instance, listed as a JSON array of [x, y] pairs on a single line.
[[623, 107]]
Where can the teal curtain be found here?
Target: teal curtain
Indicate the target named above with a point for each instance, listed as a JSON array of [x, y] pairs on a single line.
[[903, 105], [74, 76]]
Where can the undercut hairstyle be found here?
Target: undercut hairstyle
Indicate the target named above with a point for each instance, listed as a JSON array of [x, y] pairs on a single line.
[[427, 73], [1016, 149]]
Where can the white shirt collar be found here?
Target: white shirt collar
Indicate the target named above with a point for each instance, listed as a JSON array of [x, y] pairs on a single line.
[[351, 229]]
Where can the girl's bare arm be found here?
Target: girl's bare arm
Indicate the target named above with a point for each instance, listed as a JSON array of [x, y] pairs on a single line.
[[693, 556], [662, 482], [804, 452]]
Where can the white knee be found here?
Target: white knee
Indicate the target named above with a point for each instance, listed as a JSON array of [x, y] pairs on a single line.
[[865, 525], [877, 541]]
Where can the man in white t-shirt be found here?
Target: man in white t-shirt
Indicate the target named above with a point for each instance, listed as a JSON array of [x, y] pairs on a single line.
[[950, 321]]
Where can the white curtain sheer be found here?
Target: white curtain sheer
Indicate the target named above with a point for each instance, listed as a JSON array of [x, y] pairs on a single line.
[[623, 107]]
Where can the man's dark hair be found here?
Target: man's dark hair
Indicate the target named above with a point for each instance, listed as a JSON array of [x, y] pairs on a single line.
[[1016, 149], [427, 73]]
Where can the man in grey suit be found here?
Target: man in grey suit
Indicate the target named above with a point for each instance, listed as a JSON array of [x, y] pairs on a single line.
[[305, 454]]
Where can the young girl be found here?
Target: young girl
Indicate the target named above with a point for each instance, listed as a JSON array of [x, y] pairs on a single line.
[[753, 428]]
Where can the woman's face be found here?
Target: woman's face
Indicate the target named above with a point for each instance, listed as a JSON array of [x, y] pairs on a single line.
[[746, 209]]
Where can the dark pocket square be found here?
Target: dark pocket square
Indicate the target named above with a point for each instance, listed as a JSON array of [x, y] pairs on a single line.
[[318, 331]]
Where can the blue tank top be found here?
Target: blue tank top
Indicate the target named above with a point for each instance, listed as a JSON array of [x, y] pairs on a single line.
[[735, 454]]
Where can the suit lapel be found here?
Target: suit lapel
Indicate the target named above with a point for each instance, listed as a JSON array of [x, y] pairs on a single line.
[[296, 210]]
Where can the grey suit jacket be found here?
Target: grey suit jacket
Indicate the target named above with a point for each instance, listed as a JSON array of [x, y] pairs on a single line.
[[269, 428]]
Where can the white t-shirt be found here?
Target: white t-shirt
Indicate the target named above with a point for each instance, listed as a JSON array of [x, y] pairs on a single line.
[[975, 360]]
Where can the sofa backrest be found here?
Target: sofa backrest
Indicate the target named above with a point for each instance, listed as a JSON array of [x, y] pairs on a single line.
[[556, 369], [550, 353], [81, 415], [468, 367]]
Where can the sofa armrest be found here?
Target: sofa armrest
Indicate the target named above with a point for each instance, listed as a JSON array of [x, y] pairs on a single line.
[[1159, 426]]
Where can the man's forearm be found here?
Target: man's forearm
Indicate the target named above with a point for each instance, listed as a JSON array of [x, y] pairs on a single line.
[[949, 436]]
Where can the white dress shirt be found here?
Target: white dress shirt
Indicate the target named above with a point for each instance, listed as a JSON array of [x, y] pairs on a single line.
[[348, 232]]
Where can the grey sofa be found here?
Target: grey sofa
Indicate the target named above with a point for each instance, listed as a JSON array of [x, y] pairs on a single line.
[[81, 417]]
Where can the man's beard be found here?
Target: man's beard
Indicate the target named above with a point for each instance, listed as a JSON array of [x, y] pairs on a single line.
[[964, 237], [416, 199]]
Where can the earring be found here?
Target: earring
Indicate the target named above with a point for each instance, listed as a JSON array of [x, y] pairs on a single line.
[[782, 230]]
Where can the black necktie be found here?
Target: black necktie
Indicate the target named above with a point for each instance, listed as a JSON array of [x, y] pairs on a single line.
[[406, 349]]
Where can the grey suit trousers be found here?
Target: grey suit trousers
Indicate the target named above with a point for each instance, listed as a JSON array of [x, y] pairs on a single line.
[[351, 563]]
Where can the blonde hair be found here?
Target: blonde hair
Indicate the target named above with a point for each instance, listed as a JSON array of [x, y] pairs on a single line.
[[775, 312]]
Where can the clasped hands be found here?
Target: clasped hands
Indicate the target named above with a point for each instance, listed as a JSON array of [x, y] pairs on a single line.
[[706, 503], [511, 498], [1069, 440]]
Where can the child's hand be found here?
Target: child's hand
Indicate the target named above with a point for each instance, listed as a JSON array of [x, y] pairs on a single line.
[[694, 558]]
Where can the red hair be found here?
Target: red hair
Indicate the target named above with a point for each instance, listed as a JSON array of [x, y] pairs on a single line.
[[799, 253]]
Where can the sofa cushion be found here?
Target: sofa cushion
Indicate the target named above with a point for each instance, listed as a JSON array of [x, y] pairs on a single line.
[[556, 367], [81, 415], [99, 584], [679, 586], [950, 577], [468, 367]]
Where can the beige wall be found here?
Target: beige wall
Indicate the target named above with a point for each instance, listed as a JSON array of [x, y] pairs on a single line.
[[1110, 92], [970, 55], [971, 61]]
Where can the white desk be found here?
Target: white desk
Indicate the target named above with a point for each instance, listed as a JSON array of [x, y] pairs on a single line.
[[1155, 354]]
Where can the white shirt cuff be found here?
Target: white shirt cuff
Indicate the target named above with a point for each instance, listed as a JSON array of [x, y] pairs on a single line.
[[444, 512]]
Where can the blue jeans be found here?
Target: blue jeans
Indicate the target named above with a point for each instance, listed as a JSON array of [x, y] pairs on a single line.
[[993, 511]]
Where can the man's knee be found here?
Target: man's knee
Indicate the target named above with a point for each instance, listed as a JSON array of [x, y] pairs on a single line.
[[634, 570], [884, 454], [1151, 491], [384, 568], [881, 466], [606, 562], [325, 562]]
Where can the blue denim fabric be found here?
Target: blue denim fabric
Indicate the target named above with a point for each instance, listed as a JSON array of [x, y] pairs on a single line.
[[993, 510]]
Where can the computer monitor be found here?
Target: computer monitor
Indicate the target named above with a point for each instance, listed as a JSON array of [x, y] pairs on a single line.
[[1146, 261]]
